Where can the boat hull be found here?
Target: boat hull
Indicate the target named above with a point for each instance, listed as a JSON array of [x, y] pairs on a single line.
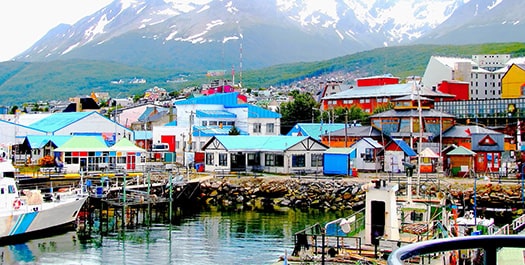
[[32, 219]]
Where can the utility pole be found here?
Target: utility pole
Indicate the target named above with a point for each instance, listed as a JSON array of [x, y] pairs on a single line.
[[346, 128]]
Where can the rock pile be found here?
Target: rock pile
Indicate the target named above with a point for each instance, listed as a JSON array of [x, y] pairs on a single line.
[[260, 193]]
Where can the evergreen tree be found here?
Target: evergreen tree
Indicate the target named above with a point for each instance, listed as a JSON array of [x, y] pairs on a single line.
[[234, 131]]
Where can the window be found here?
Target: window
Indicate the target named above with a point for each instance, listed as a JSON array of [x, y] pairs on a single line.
[[269, 127], [298, 161], [223, 159], [204, 123], [256, 127], [316, 160], [274, 160], [253, 159], [369, 155], [209, 159], [269, 159]]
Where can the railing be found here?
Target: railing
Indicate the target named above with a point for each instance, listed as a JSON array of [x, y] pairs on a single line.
[[518, 223], [489, 243]]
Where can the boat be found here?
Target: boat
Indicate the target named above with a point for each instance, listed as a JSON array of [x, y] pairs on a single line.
[[28, 213]]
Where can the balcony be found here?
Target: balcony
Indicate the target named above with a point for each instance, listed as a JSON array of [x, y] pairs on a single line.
[[489, 244]]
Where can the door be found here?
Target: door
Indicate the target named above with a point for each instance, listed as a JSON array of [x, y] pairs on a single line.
[[238, 162]]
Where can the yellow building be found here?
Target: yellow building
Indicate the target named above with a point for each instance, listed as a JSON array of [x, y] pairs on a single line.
[[513, 82]]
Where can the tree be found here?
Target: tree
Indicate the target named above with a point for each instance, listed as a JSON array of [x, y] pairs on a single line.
[[234, 131], [300, 109]]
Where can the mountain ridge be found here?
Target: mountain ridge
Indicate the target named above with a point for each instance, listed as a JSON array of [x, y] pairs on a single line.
[[211, 34], [61, 79]]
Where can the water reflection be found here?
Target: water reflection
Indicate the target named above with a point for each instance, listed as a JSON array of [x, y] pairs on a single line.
[[210, 237]]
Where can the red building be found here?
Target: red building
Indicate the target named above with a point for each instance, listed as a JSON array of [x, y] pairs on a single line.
[[459, 89], [377, 81]]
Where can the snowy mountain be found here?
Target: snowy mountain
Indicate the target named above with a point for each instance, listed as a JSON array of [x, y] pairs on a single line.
[[210, 34]]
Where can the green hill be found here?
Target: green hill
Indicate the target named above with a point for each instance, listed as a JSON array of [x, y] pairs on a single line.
[[30, 82]]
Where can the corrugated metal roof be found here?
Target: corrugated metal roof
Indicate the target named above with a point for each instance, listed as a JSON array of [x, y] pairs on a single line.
[[226, 99], [59, 120], [461, 150], [215, 114], [404, 146], [340, 150], [259, 143], [372, 142], [412, 113], [84, 144], [38, 141], [207, 131], [357, 131], [462, 131], [256, 111], [314, 130], [374, 91]]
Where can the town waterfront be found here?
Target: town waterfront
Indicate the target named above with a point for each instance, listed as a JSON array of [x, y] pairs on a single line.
[[204, 237]]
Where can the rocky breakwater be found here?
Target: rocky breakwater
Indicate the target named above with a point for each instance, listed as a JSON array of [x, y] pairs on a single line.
[[275, 193], [493, 195]]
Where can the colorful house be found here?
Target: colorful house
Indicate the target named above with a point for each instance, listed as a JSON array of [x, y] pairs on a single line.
[[459, 161], [275, 154], [367, 157], [513, 82], [396, 153]]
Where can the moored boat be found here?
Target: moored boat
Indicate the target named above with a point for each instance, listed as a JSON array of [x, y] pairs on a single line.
[[27, 213]]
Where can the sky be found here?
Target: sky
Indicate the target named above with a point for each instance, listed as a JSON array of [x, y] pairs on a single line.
[[24, 22]]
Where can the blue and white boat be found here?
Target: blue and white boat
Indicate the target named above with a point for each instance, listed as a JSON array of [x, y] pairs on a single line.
[[27, 213]]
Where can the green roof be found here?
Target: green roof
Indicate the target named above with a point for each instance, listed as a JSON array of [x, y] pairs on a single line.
[[84, 144], [126, 145], [461, 150]]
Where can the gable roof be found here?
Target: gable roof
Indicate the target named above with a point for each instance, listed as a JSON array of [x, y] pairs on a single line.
[[404, 147], [59, 120], [125, 145], [84, 144], [371, 142], [259, 143], [228, 99], [465, 131], [314, 130], [461, 150], [427, 152], [39, 141]]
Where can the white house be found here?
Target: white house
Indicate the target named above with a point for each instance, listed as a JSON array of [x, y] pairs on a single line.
[[367, 154]]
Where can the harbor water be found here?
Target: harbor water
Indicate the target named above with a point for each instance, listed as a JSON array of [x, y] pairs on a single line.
[[205, 237]]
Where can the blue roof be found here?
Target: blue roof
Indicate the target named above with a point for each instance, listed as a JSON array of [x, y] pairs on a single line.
[[214, 99], [257, 112], [59, 120], [207, 131], [404, 146], [259, 143], [214, 114], [38, 141], [314, 130]]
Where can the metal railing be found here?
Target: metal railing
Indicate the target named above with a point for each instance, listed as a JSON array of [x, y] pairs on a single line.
[[489, 243]]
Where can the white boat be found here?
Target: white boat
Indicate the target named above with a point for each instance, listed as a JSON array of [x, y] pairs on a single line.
[[27, 213]]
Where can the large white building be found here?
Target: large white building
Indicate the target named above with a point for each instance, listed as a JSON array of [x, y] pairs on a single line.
[[482, 72], [199, 119]]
